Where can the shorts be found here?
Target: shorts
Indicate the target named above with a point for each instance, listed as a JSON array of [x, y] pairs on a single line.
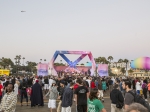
[[46, 86], [52, 104], [139, 92], [66, 109]]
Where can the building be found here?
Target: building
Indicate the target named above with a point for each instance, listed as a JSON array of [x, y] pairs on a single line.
[[140, 73], [121, 65]]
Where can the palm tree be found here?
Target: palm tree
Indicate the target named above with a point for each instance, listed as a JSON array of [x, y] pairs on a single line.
[[110, 58], [126, 62], [120, 60], [103, 60], [96, 60], [130, 71], [6, 62], [123, 71]]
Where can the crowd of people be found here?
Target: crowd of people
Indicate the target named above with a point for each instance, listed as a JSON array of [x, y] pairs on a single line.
[[85, 91]]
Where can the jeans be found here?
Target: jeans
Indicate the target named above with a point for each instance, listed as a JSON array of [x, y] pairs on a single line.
[[145, 93], [82, 108], [23, 93]]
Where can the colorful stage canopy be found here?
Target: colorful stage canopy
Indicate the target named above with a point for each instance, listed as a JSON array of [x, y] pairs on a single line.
[[141, 63], [72, 64]]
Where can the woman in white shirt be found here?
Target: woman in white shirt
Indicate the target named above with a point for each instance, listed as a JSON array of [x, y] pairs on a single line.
[[16, 86], [138, 87]]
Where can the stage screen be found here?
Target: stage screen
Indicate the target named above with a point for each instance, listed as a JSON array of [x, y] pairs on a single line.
[[42, 69], [102, 70]]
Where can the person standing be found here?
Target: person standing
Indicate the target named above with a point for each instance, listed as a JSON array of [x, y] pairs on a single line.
[[50, 81], [6, 84], [37, 95], [46, 85], [116, 99], [149, 88], [95, 105], [104, 87], [53, 94], [81, 95], [138, 87], [144, 87], [133, 83], [9, 100], [89, 81], [100, 96], [129, 98], [1, 91], [61, 92], [110, 83], [96, 83], [23, 92], [93, 84], [16, 86], [136, 107], [67, 98]]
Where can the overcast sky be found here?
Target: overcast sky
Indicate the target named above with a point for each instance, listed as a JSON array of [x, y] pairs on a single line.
[[120, 28]]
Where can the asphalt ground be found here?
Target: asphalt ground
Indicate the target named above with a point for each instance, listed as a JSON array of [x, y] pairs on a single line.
[[45, 108]]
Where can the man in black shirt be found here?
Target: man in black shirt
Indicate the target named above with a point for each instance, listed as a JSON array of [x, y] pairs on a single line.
[[61, 92], [116, 98], [81, 95], [110, 83]]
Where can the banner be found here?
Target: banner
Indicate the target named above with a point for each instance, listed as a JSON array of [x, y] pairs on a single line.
[[4, 72], [102, 70], [42, 69]]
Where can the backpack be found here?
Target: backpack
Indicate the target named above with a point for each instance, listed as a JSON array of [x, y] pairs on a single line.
[[139, 99]]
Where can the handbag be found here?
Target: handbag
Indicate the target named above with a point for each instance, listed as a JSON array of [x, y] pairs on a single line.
[[119, 105]]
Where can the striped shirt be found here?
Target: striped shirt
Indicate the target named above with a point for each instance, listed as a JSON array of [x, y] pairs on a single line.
[[9, 102]]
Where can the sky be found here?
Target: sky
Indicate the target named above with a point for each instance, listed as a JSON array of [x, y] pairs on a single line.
[[118, 28]]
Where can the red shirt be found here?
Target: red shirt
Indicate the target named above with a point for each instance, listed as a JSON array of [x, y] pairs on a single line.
[[93, 85], [1, 87], [75, 86]]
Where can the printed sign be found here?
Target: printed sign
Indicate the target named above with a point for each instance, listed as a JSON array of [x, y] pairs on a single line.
[[42, 69], [102, 70]]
